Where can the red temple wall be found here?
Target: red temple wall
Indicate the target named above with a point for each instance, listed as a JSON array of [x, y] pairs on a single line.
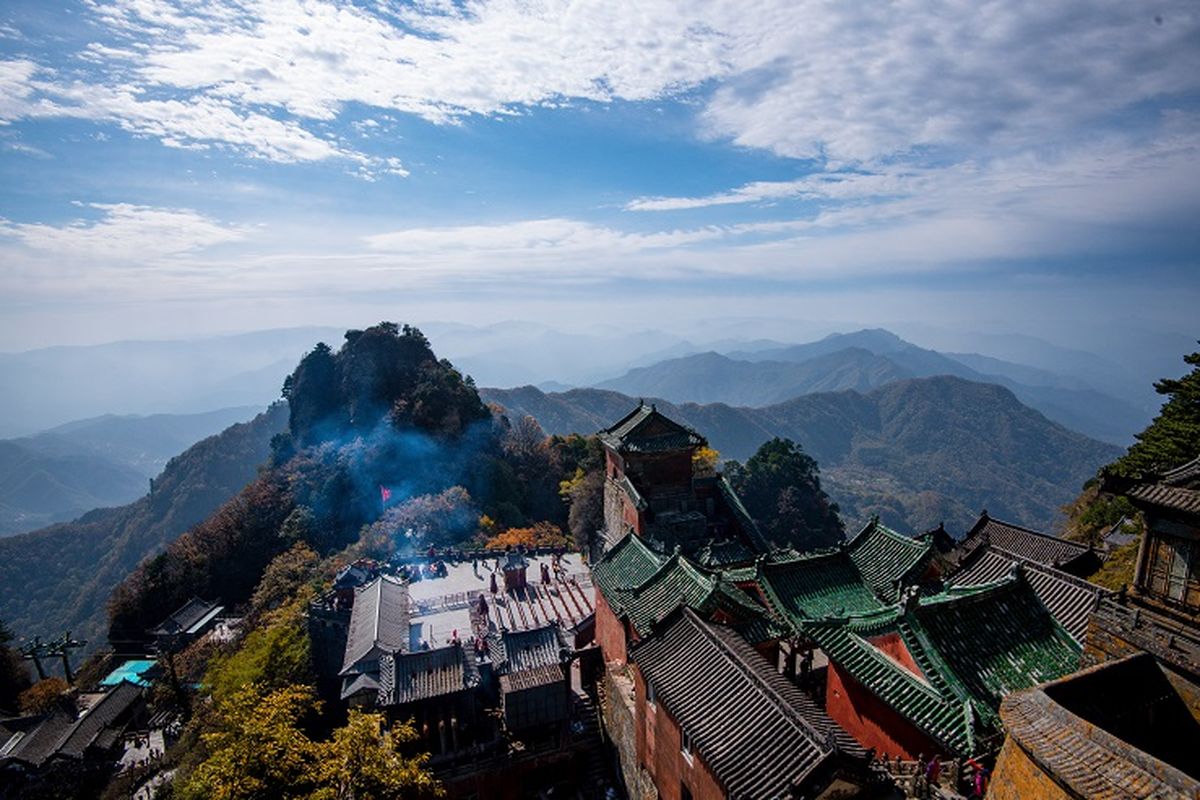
[[874, 724], [610, 631], [658, 746]]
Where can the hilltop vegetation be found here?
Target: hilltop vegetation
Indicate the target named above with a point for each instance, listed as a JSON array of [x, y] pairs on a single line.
[[379, 416], [1170, 440]]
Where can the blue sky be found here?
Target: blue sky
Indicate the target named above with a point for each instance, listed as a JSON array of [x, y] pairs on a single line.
[[171, 167]]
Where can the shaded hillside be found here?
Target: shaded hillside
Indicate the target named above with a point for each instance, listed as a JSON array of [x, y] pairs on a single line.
[[101, 462], [146, 443], [917, 451], [60, 577], [41, 485], [866, 360]]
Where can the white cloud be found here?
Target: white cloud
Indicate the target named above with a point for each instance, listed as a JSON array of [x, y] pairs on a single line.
[[126, 233], [845, 83]]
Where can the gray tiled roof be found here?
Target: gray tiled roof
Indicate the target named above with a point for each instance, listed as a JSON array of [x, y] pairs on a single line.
[[1173, 497], [1069, 600], [759, 735], [185, 618], [379, 620], [116, 702], [409, 677], [535, 647], [645, 430], [62, 734], [1033, 545], [533, 678]]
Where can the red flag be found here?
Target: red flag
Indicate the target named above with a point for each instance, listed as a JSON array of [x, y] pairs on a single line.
[[385, 493]]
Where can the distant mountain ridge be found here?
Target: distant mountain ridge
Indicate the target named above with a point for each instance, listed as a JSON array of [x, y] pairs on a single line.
[[59, 578], [59, 474], [866, 360], [917, 451]]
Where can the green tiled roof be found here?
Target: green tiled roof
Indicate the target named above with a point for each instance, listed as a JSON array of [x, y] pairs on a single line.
[[626, 566], [860, 576], [644, 587], [887, 559], [817, 585], [939, 712], [996, 640], [973, 645]]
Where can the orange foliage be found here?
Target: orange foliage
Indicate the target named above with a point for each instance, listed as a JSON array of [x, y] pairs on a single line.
[[42, 696], [542, 534]]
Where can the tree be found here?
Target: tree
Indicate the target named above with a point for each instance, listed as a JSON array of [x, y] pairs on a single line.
[[441, 520], [274, 655], [584, 492], [14, 674], [363, 761], [1173, 438], [781, 487], [257, 748], [43, 695]]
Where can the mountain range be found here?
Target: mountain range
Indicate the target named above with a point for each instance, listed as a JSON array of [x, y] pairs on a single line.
[[866, 360], [56, 475], [917, 452], [60, 577]]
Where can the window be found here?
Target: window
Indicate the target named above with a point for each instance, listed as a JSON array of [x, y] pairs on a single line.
[[1173, 568], [651, 697], [686, 745]]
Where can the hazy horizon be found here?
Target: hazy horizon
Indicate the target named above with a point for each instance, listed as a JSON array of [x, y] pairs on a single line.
[[176, 170]]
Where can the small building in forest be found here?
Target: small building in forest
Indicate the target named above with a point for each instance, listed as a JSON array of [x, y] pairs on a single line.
[[188, 623]]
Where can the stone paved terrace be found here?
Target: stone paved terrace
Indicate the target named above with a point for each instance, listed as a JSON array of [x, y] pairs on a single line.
[[441, 606]]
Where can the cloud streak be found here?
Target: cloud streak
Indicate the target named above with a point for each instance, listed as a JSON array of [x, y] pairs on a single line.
[[846, 84]]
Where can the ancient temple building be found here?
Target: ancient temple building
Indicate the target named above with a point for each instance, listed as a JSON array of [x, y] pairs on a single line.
[[656, 487]]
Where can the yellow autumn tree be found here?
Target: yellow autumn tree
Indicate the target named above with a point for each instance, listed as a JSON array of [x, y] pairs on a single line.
[[363, 761], [704, 461], [257, 748]]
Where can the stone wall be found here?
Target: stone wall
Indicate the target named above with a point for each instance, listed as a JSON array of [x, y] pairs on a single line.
[[615, 522], [1017, 777], [619, 716]]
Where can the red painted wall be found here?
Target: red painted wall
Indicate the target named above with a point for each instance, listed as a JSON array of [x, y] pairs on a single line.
[[658, 743], [610, 631], [893, 645], [874, 724]]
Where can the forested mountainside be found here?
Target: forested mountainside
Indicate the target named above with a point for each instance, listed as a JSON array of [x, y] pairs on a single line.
[[387, 448], [42, 485], [60, 577], [867, 360], [59, 474], [917, 452]]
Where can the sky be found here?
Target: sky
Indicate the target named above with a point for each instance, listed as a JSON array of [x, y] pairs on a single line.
[[182, 167]]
